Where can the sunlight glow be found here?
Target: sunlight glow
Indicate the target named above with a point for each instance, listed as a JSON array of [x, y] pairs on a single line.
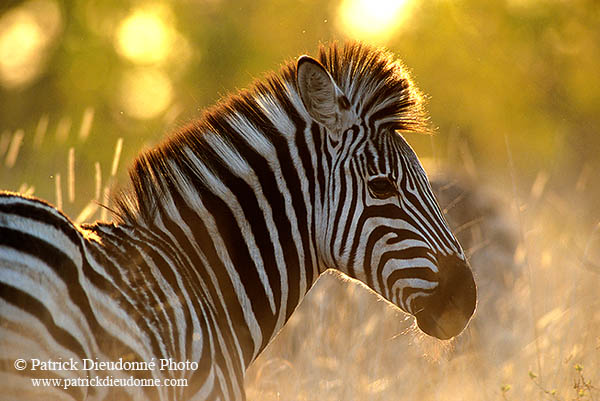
[[373, 20], [26, 33], [144, 37], [145, 93]]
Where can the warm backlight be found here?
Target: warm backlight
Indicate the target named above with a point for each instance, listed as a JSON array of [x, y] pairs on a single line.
[[373, 20], [26, 34], [144, 37]]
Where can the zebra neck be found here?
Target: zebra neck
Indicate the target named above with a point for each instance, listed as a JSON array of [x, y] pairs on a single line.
[[241, 204]]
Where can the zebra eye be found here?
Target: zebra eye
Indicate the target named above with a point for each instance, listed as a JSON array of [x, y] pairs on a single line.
[[382, 187]]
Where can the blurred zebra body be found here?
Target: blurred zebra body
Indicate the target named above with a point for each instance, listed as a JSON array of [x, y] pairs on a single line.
[[227, 226]]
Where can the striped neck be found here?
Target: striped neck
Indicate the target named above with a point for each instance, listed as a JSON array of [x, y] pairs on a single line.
[[242, 189]]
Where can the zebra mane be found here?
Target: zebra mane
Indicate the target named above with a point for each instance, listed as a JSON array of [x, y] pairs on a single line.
[[376, 84]]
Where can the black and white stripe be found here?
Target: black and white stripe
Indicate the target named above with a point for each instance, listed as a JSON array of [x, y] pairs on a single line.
[[225, 228]]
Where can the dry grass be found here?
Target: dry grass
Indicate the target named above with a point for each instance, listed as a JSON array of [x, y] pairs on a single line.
[[49, 166]]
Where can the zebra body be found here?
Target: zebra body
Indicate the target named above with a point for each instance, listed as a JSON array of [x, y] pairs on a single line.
[[226, 227], [107, 292]]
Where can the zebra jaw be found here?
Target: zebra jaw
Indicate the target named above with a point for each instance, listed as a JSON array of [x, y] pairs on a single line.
[[446, 312]]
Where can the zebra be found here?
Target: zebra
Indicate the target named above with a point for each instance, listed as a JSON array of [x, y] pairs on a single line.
[[223, 229]]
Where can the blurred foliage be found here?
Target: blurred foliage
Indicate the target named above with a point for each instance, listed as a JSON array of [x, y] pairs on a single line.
[[521, 73]]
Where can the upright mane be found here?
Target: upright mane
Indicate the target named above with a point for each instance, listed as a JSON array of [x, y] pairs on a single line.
[[376, 84]]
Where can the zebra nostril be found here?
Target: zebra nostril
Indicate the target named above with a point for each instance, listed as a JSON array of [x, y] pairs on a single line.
[[446, 312]]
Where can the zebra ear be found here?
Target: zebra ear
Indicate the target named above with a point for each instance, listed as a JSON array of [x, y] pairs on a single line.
[[318, 91]]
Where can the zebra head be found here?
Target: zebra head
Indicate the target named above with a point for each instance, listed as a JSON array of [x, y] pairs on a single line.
[[382, 223]]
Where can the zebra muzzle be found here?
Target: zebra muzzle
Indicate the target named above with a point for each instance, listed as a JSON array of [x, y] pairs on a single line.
[[447, 311]]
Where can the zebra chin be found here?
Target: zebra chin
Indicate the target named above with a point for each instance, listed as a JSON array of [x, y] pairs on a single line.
[[446, 312]]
